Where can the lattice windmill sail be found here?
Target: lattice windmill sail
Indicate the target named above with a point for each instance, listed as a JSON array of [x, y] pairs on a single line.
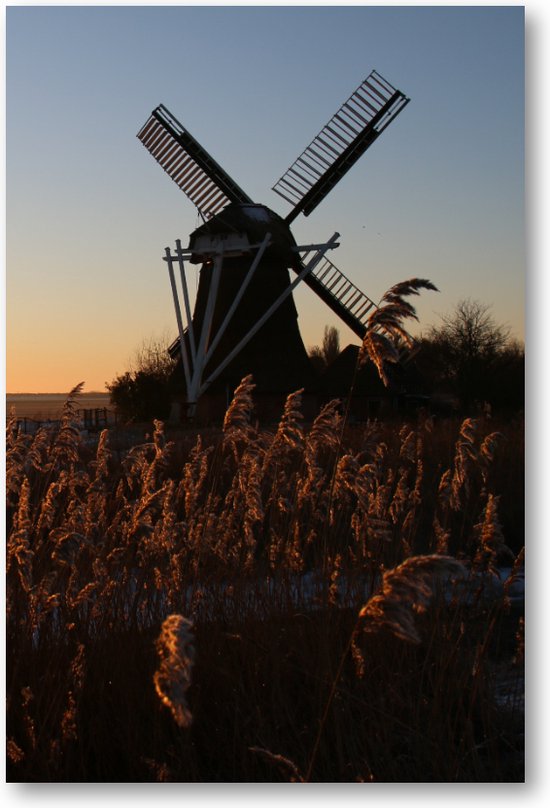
[[349, 133], [244, 319], [206, 184]]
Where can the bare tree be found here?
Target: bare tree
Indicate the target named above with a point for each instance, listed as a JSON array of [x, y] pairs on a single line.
[[465, 350], [152, 356], [471, 332]]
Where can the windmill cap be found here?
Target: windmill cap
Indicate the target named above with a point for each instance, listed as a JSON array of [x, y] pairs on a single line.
[[238, 224]]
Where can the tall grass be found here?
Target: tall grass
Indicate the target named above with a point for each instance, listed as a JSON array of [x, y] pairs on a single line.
[[307, 603]]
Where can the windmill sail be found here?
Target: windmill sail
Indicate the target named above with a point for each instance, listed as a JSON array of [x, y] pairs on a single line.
[[348, 134], [339, 293], [198, 175], [345, 299]]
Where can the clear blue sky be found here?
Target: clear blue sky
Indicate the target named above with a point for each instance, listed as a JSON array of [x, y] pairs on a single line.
[[89, 212]]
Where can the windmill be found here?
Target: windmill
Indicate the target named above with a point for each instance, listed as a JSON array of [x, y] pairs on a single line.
[[244, 318]]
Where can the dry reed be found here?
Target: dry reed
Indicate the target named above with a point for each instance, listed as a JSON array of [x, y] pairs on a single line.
[[176, 650]]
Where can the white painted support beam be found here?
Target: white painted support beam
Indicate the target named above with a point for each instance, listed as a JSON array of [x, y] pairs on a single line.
[[169, 260], [190, 331], [193, 366], [310, 247], [200, 361], [238, 297]]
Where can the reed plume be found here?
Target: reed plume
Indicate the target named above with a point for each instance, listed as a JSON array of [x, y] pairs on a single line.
[[67, 440], [326, 427], [175, 647], [385, 330], [17, 447], [405, 591], [289, 437], [290, 430], [465, 457], [492, 546], [237, 420]]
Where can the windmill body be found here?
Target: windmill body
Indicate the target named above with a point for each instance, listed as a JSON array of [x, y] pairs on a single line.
[[244, 319], [276, 356]]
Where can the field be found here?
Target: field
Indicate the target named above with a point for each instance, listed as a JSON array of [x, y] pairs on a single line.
[[307, 603], [41, 406]]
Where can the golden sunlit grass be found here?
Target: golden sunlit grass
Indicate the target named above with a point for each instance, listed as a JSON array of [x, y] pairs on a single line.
[[307, 603]]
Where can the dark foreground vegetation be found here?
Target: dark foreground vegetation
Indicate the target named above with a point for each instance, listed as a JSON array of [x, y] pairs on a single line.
[[468, 363], [308, 603]]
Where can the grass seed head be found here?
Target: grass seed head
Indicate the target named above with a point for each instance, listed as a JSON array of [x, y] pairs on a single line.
[[175, 647]]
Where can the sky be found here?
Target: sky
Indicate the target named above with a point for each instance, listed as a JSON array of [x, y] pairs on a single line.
[[89, 212]]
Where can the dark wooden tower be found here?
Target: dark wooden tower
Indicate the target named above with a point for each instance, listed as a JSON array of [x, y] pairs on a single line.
[[276, 355], [244, 318]]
